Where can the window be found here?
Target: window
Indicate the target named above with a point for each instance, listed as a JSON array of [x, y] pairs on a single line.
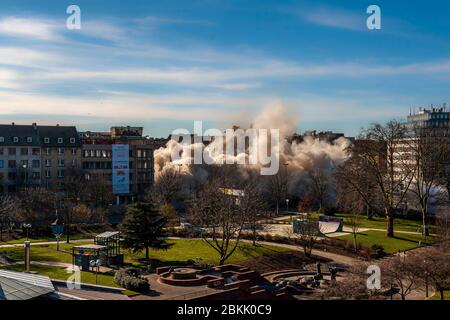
[[12, 164], [12, 151], [74, 163], [60, 140], [12, 176], [74, 151], [72, 140], [23, 151], [47, 151], [60, 174], [60, 151], [2, 164], [48, 163], [46, 140], [60, 162], [1, 151], [36, 151], [24, 164], [36, 164], [15, 139], [48, 174], [29, 139], [35, 175], [2, 139]]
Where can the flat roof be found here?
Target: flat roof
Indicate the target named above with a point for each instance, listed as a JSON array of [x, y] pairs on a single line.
[[107, 234], [90, 247]]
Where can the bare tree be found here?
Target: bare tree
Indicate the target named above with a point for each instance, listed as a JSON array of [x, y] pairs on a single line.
[[37, 207], [355, 222], [277, 187], [401, 271], [222, 208], [8, 213], [443, 227], [356, 189], [433, 265], [305, 235], [428, 157], [379, 155], [320, 187], [167, 187]]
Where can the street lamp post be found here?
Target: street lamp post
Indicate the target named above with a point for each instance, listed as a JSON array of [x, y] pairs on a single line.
[[287, 209]]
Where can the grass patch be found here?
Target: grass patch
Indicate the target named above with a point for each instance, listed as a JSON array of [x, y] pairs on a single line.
[[184, 250], [401, 242], [437, 295], [181, 251], [46, 252], [400, 224], [61, 274]]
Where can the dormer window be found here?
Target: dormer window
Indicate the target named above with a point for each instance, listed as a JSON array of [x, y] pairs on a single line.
[[60, 140], [46, 140], [29, 139], [72, 140], [15, 139]]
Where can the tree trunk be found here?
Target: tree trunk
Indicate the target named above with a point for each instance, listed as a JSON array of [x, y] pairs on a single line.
[[147, 256], [354, 242], [390, 223], [425, 231], [442, 293]]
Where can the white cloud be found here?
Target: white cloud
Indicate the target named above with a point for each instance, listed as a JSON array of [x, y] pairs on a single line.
[[29, 28], [335, 18]]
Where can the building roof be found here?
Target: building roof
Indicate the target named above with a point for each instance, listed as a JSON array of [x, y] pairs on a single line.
[[38, 135], [23, 286], [90, 247], [107, 234], [8, 132]]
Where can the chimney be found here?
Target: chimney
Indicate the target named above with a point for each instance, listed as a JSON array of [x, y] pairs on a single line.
[[13, 123]]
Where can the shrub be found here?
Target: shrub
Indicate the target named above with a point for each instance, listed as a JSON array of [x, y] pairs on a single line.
[[378, 251], [130, 282]]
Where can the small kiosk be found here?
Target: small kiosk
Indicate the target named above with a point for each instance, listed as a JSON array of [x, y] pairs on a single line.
[[83, 255], [106, 250]]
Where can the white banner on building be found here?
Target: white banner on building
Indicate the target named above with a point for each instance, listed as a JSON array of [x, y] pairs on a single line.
[[121, 169]]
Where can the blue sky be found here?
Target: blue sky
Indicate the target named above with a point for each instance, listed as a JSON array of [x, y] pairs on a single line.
[[164, 64]]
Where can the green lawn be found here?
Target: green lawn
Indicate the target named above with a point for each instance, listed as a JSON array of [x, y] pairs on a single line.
[[180, 252], [437, 296], [43, 252], [400, 224], [62, 274], [401, 242], [183, 250]]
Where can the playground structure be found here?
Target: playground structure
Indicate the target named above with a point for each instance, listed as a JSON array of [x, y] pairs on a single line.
[[105, 251], [324, 226]]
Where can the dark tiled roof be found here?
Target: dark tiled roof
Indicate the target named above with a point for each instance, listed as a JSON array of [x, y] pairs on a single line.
[[38, 134], [8, 132], [55, 132]]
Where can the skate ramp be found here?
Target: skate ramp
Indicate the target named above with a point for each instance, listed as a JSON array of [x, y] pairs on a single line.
[[326, 227]]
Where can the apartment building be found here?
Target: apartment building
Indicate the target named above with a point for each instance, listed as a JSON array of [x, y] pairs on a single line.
[[32, 155], [20, 157], [61, 153], [122, 158]]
